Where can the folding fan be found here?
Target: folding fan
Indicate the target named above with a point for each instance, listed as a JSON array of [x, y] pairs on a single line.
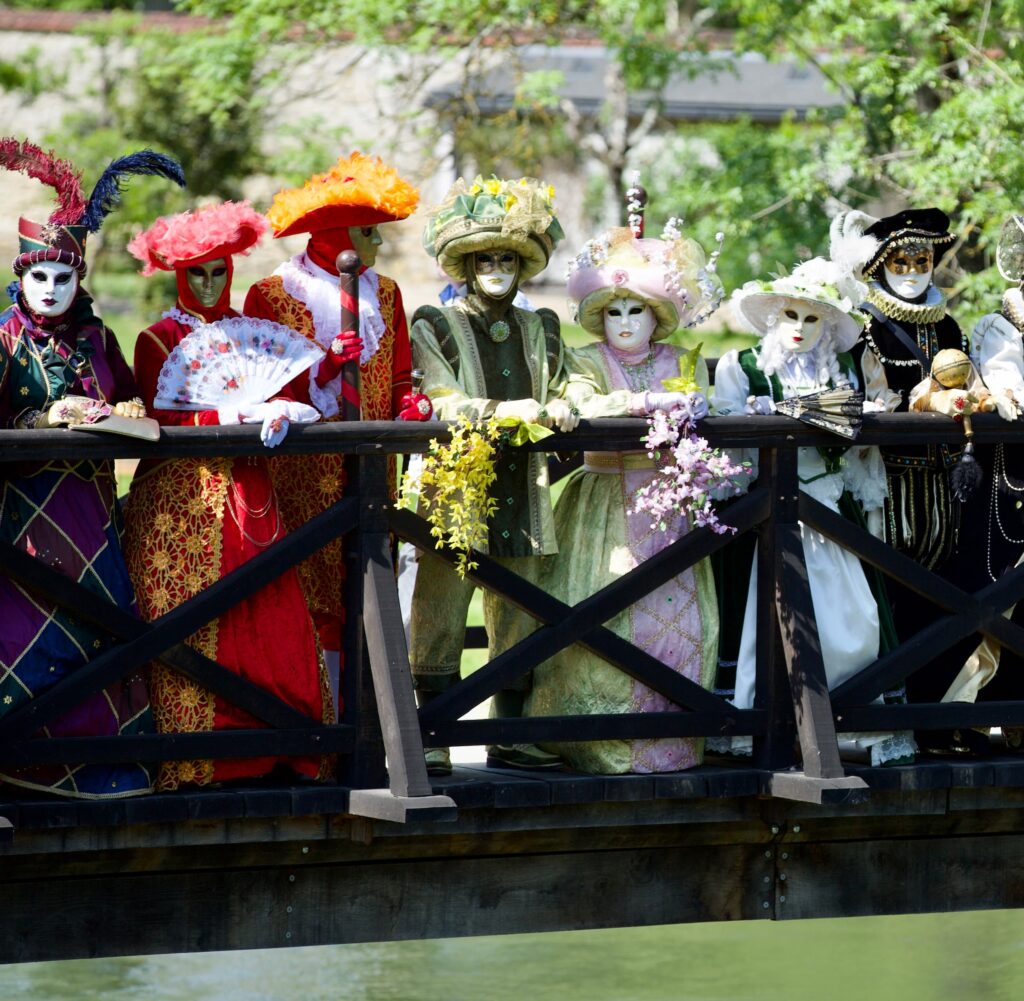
[[840, 411], [239, 361]]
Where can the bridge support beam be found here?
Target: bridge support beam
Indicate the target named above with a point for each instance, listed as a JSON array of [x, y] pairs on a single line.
[[803, 788]]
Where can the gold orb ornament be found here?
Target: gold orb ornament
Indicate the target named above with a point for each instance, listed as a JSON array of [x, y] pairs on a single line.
[[951, 368]]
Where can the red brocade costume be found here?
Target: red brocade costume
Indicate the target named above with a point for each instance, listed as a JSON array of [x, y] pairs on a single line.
[[190, 522], [303, 294], [307, 484]]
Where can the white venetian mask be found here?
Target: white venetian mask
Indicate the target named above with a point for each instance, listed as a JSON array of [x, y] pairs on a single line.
[[49, 288], [628, 324], [910, 285], [496, 272], [800, 325]]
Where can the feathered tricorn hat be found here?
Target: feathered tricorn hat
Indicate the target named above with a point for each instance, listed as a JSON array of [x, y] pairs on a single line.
[[860, 243], [62, 237], [204, 234], [357, 191]]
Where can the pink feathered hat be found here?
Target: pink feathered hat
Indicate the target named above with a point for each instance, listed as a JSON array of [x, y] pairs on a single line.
[[671, 275], [204, 234]]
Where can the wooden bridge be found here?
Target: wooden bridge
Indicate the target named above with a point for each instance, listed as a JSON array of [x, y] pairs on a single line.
[[387, 853]]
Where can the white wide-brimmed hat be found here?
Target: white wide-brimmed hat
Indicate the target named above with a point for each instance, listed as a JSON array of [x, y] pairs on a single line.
[[813, 281]]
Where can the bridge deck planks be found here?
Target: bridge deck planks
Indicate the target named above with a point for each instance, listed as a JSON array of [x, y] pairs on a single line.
[[475, 787]]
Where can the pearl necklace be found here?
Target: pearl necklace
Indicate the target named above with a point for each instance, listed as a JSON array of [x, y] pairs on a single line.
[[640, 374], [999, 473], [895, 362]]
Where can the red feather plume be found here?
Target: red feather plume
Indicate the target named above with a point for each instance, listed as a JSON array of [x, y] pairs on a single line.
[[47, 168]]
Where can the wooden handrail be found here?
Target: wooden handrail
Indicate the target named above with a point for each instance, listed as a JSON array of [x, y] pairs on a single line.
[[791, 703]]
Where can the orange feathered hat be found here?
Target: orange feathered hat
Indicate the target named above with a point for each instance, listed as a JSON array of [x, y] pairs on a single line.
[[357, 191]]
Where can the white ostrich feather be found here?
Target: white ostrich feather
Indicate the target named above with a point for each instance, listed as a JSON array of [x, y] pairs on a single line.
[[850, 249]]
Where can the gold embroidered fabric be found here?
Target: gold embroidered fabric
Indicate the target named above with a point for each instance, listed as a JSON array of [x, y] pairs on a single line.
[[172, 546], [307, 484]]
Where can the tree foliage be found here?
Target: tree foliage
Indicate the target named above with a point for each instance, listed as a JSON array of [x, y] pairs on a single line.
[[933, 93]]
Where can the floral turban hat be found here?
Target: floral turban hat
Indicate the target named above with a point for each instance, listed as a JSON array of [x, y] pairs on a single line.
[[494, 215]]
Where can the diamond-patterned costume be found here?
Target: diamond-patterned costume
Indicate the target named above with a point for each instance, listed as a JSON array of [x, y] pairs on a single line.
[[65, 514]]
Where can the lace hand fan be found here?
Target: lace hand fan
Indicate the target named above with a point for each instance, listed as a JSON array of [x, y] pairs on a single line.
[[840, 411], [236, 362]]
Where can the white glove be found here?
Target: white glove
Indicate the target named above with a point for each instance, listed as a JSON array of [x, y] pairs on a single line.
[[275, 417], [663, 401], [696, 407], [134, 408], [693, 405], [759, 405], [562, 415], [952, 403], [528, 411], [1006, 406], [873, 407]]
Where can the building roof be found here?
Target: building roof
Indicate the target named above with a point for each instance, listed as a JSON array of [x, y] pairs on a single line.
[[67, 21], [723, 86]]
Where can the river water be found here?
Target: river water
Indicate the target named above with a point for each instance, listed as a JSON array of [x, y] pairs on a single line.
[[974, 956]]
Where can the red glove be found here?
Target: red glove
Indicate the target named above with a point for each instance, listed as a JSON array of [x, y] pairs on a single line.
[[347, 346], [415, 407]]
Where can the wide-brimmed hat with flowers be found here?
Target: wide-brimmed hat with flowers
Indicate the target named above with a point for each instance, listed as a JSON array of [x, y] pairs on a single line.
[[671, 275], [494, 214], [812, 281]]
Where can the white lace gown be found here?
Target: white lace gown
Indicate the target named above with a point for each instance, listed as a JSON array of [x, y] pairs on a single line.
[[844, 607]]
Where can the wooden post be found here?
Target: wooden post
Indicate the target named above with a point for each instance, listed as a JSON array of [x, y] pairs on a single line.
[[822, 772], [389, 676], [774, 750]]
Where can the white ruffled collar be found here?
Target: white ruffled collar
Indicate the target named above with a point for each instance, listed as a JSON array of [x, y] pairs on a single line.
[[317, 290], [185, 319], [931, 310]]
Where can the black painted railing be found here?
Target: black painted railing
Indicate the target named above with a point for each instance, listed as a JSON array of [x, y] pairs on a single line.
[[381, 738]]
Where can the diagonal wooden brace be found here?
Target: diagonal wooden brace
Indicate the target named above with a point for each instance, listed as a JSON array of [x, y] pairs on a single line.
[[35, 576], [582, 623], [181, 622], [980, 612]]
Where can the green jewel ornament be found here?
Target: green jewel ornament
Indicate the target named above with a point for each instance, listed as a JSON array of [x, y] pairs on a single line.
[[499, 331]]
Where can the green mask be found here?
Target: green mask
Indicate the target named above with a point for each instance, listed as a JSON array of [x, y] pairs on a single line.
[[365, 241], [207, 281]]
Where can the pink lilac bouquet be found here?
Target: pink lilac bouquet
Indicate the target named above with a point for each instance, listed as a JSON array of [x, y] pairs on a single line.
[[692, 472]]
